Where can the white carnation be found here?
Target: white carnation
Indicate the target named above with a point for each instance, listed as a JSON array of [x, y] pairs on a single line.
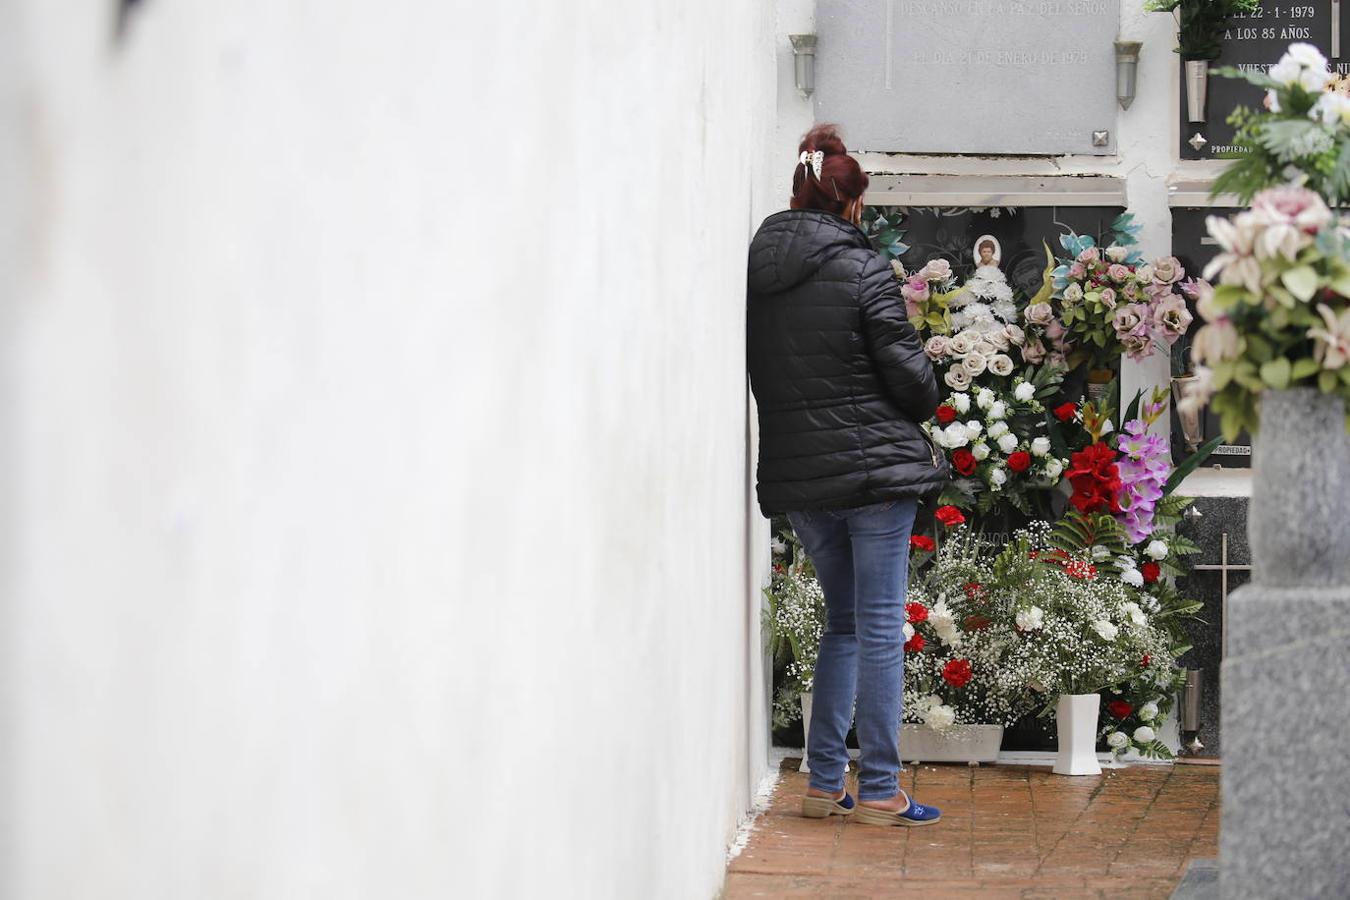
[[1156, 550], [985, 398], [940, 716], [1025, 392], [1040, 446], [1105, 630], [1149, 711], [961, 401], [980, 451], [1030, 619], [1117, 740], [1132, 577], [1143, 734], [1135, 615], [908, 630], [1007, 443]]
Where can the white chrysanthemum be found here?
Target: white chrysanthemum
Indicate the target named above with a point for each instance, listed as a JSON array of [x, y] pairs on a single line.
[[980, 451], [985, 398], [1156, 550], [961, 401], [1148, 712], [1117, 740], [1008, 442], [1105, 630], [1030, 619], [1143, 734], [1040, 446], [998, 430], [1304, 64], [1005, 309], [1025, 392]]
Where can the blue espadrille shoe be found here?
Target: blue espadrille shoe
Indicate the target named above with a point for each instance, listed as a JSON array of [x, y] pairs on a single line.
[[911, 815], [823, 807]]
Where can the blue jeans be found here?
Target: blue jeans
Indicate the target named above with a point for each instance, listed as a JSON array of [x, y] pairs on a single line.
[[862, 560]]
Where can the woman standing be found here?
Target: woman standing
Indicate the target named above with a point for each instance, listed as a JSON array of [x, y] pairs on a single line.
[[842, 383]]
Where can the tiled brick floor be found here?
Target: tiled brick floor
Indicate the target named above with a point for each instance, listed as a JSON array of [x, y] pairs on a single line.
[[1007, 831]]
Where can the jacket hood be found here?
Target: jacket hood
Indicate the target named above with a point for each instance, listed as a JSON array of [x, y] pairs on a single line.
[[792, 245]]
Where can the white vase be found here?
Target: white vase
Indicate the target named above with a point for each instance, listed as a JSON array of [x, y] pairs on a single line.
[[1076, 723], [959, 743], [1197, 87], [806, 729]]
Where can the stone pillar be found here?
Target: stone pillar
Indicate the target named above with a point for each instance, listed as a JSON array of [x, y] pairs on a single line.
[[1286, 680]]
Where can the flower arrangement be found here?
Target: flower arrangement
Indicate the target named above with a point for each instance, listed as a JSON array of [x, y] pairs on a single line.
[[997, 445], [1201, 23], [1279, 317], [1301, 136], [928, 294], [794, 620], [1109, 302]]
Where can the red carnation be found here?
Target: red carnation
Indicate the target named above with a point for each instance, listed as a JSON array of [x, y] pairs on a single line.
[[1119, 708], [915, 644], [957, 672], [916, 613], [1081, 569], [1066, 412], [949, 516], [1151, 572], [1143, 663], [946, 414], [973, 589], [922, 542], [964, 461], [1019, 461]]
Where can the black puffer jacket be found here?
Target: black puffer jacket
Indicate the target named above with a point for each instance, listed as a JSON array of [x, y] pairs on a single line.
[[838, 372]]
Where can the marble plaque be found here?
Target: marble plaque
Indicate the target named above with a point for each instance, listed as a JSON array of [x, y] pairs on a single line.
[[969, 76]]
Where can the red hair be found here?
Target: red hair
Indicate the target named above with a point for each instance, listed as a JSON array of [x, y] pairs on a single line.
[[841, 179]]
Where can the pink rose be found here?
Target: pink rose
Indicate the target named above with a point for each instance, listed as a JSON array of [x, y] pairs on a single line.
[[936, 270], [1033, 352], [936, 347], [1040, 314], [1168, 270], [1172, 317], [1130, 321], [1118, 273], [1055, 330], [1290, 205], [1078, 271], [1107, 298], [1214, 343], [1090, 255]]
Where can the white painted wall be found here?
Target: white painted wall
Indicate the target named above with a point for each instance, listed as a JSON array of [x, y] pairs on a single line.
[[375, 482]]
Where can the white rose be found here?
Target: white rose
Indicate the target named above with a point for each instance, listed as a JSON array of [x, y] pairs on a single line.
[[974, 364], [1015, 334], [998, 430], [985, 398], [1040, 446], [986, 348], [1148, 711], [1132, 577], [961, 401], [1156, 550], [998, 340], [1073, 293], [1146, 272], [1001, 364], [956, 378], [974, 428], [1030, 619], [998, 478], [980, 451], [1143, 734], [956, 435], [936, 347], [1007, 443], [1117, 253], [1025, 392], [1105, 630], [1117, 740], [1053, 468], [999, 409]]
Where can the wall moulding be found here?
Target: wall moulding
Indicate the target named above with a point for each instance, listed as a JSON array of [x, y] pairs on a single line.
[[997, 190]]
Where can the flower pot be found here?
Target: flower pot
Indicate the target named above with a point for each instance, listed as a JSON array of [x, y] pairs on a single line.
[[1076, 723], [1298, 528], [1099, 385], [806, 729], [1197, 88], [958, 743]]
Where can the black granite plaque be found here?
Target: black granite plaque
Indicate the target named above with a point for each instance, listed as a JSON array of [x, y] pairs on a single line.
[[1256, 40]]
